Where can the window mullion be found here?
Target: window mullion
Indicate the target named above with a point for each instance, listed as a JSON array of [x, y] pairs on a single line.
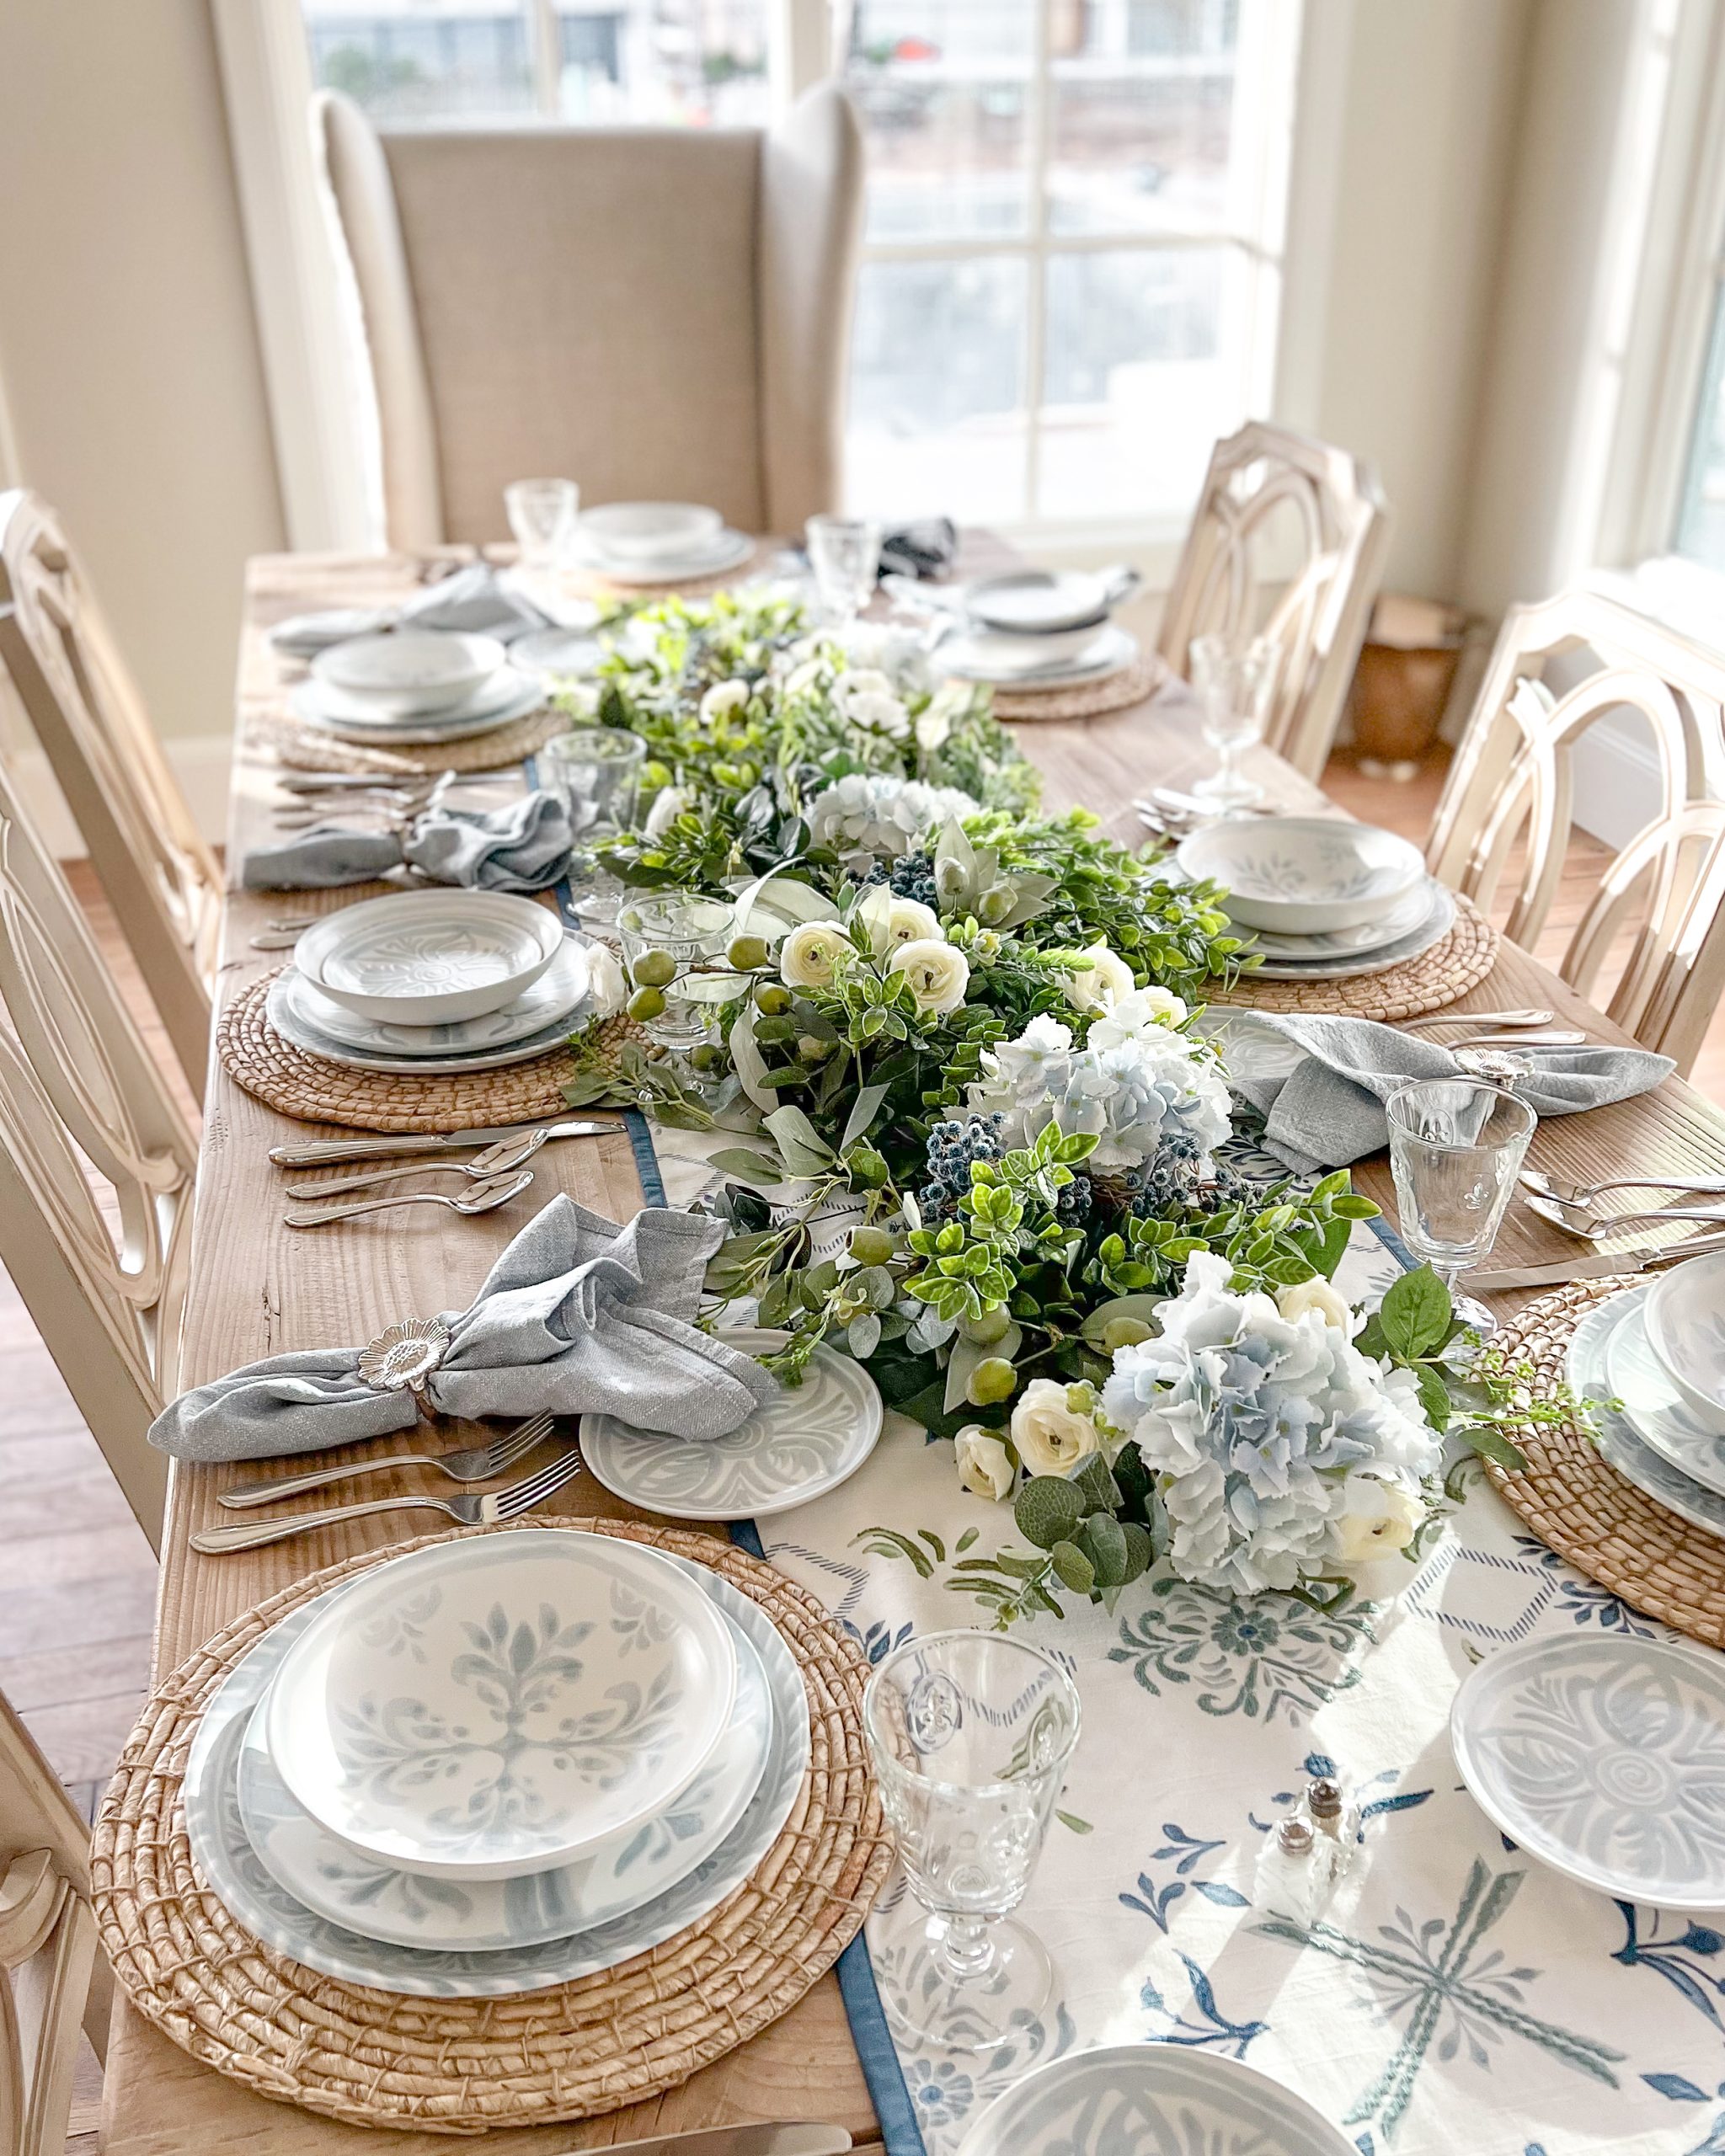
[[1036, 308], [546, 32]]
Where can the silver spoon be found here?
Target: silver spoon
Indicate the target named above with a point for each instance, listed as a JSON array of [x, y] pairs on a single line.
[[1480, 1018], [482, 1197], [499, 1160], [1583, 1195], [1575, 1220]]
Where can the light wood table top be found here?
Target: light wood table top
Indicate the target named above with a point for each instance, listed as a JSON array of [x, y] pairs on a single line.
[[258, 1289]]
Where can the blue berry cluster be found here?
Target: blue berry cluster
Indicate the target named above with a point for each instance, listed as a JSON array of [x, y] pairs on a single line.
[[953, 1146], [912, 876], [1177, 1179], [1075, 1201]]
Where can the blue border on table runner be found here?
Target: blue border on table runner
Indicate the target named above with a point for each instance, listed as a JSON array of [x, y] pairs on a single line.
[[1392, 1243]]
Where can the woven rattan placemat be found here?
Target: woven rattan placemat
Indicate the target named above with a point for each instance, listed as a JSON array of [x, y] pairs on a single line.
[[1131, 684], [1588, 1512], [308, 749], [1453, 965], [375, 2058]]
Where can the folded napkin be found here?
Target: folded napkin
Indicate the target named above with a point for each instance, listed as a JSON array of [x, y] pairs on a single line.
[[471, 598], [522, 847], [925, 549], [577, 1317], [1328, 1108]]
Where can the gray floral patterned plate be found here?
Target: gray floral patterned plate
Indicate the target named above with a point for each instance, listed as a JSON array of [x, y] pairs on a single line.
[[1604, 1757], [470, 1915], [483, 1708], [804, 1443], [1622, 1445], [1152, 2099], [238, 1877]]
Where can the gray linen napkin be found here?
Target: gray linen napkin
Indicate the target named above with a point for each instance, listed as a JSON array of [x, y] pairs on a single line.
[[522, 847], [470, 599], [577, 1317], [1329, 1110]]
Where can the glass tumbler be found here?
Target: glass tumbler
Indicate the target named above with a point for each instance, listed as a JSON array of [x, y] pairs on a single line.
[[844, 554], [970, 1734], [1232, 678], [543, 516], [595, 772], [674, 942], [1456, 1146]]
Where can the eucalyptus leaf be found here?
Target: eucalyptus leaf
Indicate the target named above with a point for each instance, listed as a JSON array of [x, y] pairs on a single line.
[[1072, 1567], [1047, 1510]]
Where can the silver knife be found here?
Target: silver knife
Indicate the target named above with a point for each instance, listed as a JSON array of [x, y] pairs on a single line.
[[740, 2141], [1595, 1266], [380, 1147]]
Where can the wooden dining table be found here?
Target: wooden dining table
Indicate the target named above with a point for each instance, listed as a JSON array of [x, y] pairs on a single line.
[[258, 1287]]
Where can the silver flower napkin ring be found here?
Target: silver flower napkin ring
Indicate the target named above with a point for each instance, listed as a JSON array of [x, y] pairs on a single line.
[[402, 1358]]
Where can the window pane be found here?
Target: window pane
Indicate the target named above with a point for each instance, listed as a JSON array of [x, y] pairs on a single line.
[[681, 63], [936, 425], [1701, 524], [1141, 115], [943, 90], [1145, 367], [451, 63]]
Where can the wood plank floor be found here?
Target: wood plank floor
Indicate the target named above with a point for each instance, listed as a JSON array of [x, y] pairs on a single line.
[[78, 1580]]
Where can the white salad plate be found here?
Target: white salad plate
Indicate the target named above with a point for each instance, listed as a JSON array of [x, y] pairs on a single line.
[[650, 532], [510, 695], [408, 673], [559, 992], [482, 1708], [1621, 1444], [1304, 875], [558, 654], [1602, 1755], [729, 551], [1363, 939], [430, 957], [1657, 1409], [804, 1443], [1152, 2099], [288, 993], [1685, 1322], [467, 1916], [1003, 660], [238, 1876], [1438, 919]]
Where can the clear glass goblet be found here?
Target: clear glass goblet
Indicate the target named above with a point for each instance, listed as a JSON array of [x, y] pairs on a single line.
[[970, 1735], [595, 772], [1232, 677], [543, 516], [674, 942], [1455, 1147], [844, 555]]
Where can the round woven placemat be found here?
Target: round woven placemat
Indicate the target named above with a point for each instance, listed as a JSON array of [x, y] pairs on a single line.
[[1127, 685], [308, 749], [1589, 1513], [458, 2066], [1455, 963], [270, 1067]]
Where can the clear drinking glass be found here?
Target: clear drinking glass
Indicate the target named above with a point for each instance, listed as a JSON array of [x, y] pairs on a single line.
[[970, 1735], [1456, 1145], [595, 772], [676, 941], [542, 514], [844, 554], [1232, 676]]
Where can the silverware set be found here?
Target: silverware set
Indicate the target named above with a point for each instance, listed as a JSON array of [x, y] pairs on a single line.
[[496, 1172]]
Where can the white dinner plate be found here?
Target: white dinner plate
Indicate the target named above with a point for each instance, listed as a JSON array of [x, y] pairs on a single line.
[[1656, 1408], [1364, 939], [805, 1442], [1440, 920], [1152, 2099], [977, 658], [1622, 1445], [430, 957], [549, 1002], [483, 1708], [310, 705], [467, 1916], [727, 552], [236, 1874], [281, 1007], [1602, 1755]]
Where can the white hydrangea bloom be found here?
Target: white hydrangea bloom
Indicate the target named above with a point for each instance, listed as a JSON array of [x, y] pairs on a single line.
[[868, 817], [1136, 1095], [865, 698]]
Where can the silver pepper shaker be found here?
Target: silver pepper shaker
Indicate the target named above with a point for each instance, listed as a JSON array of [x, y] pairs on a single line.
[[1291, 1880], [1333, 1816]]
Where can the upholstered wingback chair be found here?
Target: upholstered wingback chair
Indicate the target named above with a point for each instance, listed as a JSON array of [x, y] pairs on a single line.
[[653, 312]]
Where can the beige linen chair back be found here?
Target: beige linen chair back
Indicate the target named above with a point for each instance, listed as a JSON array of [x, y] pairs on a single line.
[[96, 1168], [653, 312], [161, 879], [52, 1980], [1288, 539], [1510, 803]]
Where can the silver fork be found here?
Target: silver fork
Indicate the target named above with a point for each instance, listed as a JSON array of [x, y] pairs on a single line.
[[1585, 1193], [482, 1197], [470, 1511], [1479, 1019], [473, 1463]]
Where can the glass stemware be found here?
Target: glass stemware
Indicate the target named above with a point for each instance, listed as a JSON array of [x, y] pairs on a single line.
[[970, 1735], [595, 772], [675, 943], [1232, 677], [844, 555], [541, 514], [1455, 1147]]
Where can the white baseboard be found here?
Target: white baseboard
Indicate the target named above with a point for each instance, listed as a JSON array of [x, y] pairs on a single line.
[[200, 762], [1615, 771]]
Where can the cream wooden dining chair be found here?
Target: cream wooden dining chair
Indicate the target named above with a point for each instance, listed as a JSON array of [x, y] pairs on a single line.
[[160, 877], [1508, 808], [1288, 539], [653, 313], [53, 1980], [96, 1168]]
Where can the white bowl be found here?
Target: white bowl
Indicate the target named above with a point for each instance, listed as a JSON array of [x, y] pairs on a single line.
[[651, 531], [429, 958], [410, 673], [1038, 602], [1303, 875], [1684, 1318]]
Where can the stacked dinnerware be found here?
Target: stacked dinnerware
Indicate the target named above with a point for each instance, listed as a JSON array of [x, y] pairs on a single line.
[[498, 1764], [414, 687], [1318, 897], [433, 982], [658, 542], [1039, 629]]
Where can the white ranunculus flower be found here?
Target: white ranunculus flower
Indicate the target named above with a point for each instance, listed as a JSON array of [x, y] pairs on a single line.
[[891, 919], [607, 991], [1376, 1518], [723, 696], [937, 973], [809, 675], [934, 723], [1104, 978], [1318, 1294], [810, 954], [985, 1465], [668, 804], [1052, 1436]]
